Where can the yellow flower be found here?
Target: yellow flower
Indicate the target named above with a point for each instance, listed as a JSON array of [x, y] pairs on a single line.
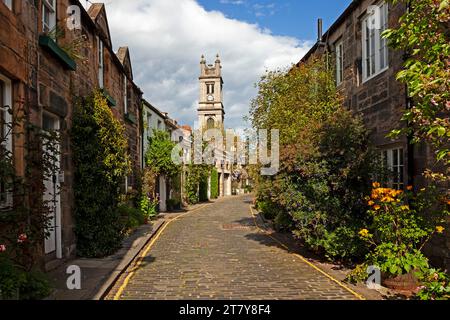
[[405, 208], [371, 203], [440, 229], [377, 207], [376, 185], [364, 233]]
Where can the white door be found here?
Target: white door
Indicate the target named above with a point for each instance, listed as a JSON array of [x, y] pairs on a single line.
[[52, 192]]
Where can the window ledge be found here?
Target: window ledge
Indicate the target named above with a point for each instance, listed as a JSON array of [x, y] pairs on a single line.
[[109, 99], [375, 75], [51, 46], [130, 118]]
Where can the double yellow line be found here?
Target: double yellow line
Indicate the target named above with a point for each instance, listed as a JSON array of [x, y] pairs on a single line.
[[357, 295], [147, 249]]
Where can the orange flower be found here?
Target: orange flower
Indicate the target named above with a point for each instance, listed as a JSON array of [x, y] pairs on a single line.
[[377, 207], [409, 188], [376, 185]]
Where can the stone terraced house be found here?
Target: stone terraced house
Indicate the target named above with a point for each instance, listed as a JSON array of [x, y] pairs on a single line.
[[366, 71], [39, 79]]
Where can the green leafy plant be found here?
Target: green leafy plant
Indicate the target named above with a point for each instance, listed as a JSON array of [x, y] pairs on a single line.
[[435, 286], [214, 184], [402, 223], [159, 154], [97, 134], [423, 34]]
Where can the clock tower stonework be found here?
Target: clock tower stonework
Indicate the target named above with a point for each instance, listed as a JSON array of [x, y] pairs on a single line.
[[211, 113]]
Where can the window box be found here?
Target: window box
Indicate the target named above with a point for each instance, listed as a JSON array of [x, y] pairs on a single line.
[[130, 118], [51, 46], [109, 99]]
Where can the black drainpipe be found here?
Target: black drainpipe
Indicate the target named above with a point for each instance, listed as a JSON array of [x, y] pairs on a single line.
[[410, 146]]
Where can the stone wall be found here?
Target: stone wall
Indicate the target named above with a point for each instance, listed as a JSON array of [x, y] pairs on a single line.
[[41, 84]]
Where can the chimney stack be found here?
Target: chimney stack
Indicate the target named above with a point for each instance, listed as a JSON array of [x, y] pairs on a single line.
[[319, 30]]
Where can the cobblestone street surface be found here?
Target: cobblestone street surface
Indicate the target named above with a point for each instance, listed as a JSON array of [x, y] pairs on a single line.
[[218, 253]]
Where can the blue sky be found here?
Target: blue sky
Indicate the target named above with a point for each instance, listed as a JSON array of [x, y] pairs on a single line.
[[295, 18]]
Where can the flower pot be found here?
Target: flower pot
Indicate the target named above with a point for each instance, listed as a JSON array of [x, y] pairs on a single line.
[[405, 283]]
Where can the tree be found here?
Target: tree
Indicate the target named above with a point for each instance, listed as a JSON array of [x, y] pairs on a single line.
[[159, 154], [424, 35]]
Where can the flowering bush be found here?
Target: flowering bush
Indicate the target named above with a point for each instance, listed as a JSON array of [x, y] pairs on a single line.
[[402, 223]]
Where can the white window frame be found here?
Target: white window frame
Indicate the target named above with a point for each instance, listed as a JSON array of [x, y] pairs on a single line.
[[101, 63], [125, 94], [374, 47], [48, 6], [339, 62], [9, 4], [394, 159], [7, 101]]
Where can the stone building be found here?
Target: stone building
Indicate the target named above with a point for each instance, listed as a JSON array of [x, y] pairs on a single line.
[[211, 115], [366, 71], [39, 78]]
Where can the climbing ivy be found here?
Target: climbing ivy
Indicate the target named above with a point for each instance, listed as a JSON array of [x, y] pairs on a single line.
[[214, 184]]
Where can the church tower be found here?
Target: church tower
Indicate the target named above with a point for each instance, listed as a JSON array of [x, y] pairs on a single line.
[[211, 113]]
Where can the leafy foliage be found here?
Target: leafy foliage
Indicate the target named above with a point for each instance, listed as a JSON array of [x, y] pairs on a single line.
[[101, 163], [402, 222], [195, 174], [424, 34], [435, 286], [325, 156], [214, 184], [159, 154]]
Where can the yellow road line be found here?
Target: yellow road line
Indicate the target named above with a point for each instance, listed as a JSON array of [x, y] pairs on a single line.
[[303, 259], [147, 249]]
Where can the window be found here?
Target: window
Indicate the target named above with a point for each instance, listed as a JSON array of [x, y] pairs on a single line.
[[339, 62], [159, 124], [8, 3], [48, 15], [210, 123], [5, 134], [210, 88], [394, 161], [100, 63], [125, 94], [375, 50]]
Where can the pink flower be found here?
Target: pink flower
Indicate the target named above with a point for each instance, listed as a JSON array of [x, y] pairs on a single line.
[[22, 238], [2, 248]]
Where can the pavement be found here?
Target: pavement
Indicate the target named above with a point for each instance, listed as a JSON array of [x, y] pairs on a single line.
[[98, 275], [218, 252]]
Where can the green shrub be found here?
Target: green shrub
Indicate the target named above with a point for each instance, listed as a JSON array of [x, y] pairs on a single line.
[[214, 184], [203, 189], [435, 286], [173, 204], [101, 162], [17, 284], [132, 217], [148, 207]]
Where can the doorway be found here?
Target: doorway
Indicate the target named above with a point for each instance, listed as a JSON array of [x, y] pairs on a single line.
[[53, 243]]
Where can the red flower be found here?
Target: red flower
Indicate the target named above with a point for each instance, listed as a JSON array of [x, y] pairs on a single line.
[[22, 238], [2, 248]]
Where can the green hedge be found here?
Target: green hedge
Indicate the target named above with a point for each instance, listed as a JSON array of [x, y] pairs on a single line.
[[214, 184], [203, 189]]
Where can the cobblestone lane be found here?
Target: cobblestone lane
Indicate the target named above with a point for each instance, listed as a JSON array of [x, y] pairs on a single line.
[[217, 253]]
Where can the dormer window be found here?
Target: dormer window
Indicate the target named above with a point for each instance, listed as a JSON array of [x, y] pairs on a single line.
[[48, 15]]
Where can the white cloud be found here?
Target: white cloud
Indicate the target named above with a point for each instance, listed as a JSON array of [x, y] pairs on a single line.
[[167, 38]]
